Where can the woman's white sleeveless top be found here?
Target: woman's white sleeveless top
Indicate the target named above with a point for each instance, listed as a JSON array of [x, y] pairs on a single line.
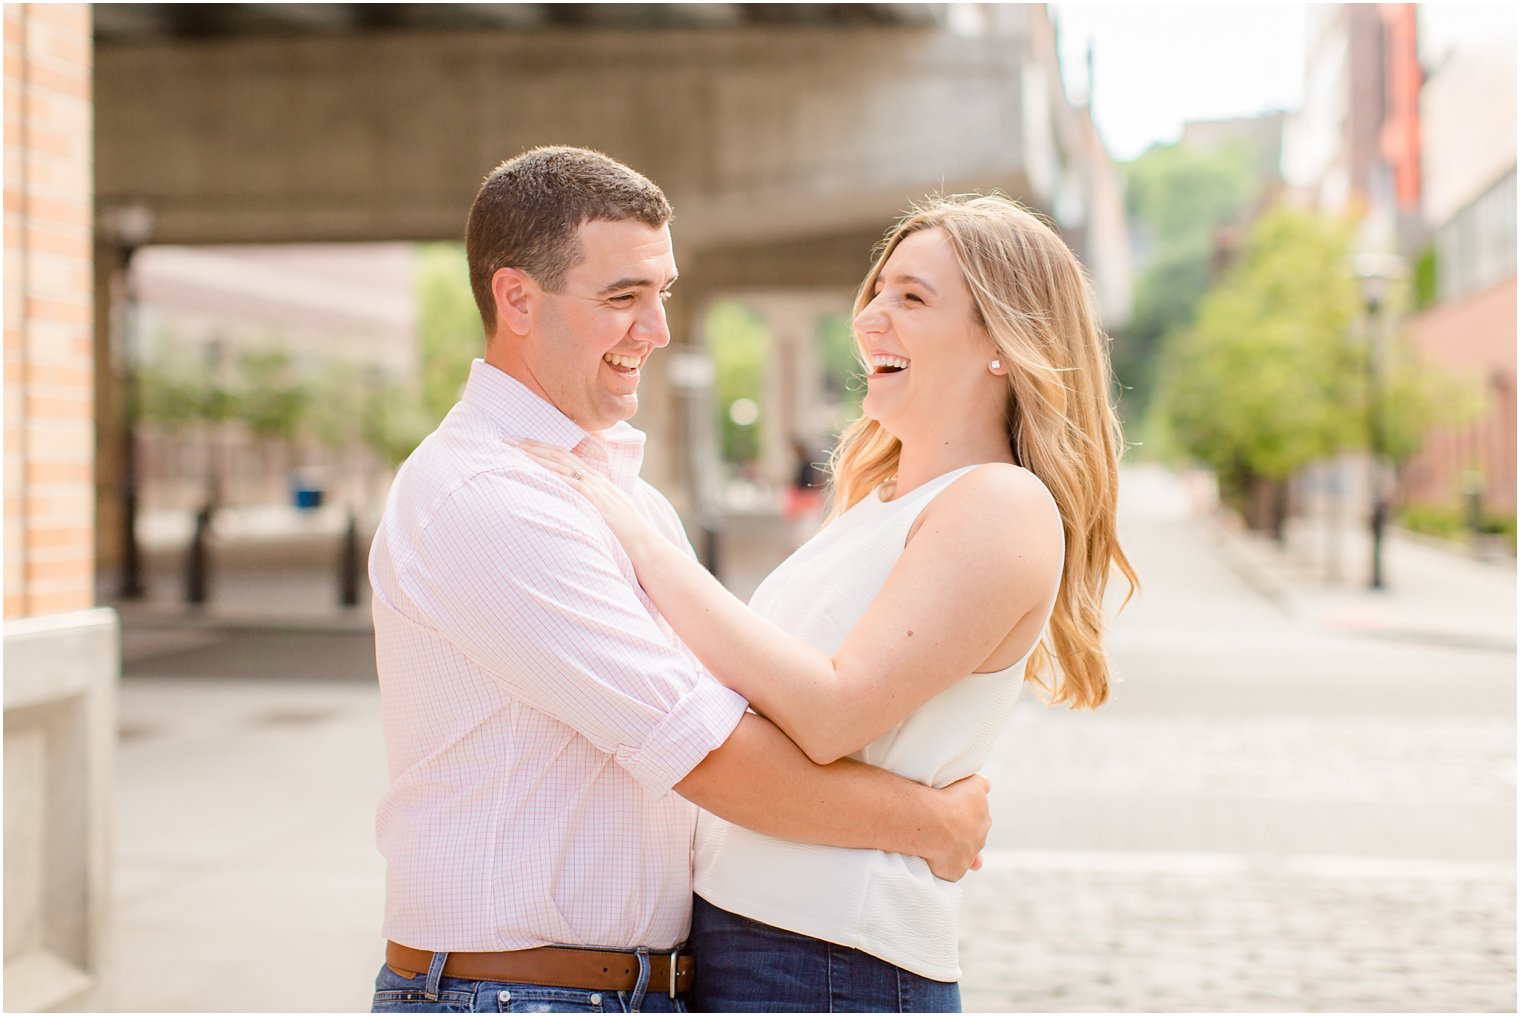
[[888, 905]]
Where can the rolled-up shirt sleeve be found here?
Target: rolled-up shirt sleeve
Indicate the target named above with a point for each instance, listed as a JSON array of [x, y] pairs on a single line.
[[522, 576]]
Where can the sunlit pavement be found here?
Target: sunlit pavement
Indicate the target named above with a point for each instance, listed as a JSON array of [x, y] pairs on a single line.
[[1277, 811]]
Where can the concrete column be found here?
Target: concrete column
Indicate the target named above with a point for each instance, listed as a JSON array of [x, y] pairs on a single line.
[[793, 383]]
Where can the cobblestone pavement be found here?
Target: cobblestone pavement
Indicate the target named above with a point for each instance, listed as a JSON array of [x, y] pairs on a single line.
[[1072, 932]]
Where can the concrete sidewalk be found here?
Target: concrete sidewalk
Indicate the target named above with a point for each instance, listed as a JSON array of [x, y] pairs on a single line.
[[1435, 592]]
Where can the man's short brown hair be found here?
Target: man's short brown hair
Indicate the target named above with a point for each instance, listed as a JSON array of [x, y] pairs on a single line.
[[530, 207]]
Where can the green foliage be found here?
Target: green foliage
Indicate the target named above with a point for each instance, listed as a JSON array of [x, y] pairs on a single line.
[[394, 420], [1181, 195], [1276, 372], [354, 406], [269, 397], [1416, 396], [739, 341], [177, 391], [1450, 522], [1266, 381], [338, 395], [448, 324], [1177, 199], [1425, 279], [167, 396], [841, 363]]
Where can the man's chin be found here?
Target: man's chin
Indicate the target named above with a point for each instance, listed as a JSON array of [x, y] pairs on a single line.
[[613, 410]]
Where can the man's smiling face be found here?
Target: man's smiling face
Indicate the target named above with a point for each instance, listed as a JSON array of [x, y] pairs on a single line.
[[590, 340]]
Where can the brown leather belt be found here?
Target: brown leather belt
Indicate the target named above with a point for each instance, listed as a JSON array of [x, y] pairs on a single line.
[[554, 966]]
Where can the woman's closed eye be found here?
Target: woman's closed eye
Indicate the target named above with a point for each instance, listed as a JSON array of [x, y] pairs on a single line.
[[903, 298]]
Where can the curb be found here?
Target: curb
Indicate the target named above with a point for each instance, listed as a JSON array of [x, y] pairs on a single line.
[[1263, 576], [1246, 564]]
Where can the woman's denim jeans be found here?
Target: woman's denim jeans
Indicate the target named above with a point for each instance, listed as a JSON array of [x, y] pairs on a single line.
[[746, 966], [433, 993]]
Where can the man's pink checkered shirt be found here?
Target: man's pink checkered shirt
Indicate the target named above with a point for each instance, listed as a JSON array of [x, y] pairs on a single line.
[[537, 709]]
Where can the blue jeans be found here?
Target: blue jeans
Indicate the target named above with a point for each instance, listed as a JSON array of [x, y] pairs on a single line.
[[746, 966], [433, 993]]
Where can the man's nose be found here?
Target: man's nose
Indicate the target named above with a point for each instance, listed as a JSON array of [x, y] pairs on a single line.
[[651, 327]]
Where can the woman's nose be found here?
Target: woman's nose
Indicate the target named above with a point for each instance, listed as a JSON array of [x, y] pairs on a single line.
[[870, 318]]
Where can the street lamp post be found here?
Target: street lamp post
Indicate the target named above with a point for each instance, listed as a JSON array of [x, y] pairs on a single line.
[[128, 227], [1376, 272]]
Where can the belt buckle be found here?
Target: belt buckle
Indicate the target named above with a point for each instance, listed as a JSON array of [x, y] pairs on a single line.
[[675, 954]]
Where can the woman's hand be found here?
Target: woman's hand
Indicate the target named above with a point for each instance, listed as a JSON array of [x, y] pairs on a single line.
[[966, 819], [631, 529]]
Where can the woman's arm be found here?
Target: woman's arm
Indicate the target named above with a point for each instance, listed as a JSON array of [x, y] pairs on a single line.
[[987, 552]]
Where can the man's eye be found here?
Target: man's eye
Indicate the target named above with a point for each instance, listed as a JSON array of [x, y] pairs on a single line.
[[625, 298]]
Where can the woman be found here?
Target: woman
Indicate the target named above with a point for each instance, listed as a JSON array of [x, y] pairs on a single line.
[[971, 539]]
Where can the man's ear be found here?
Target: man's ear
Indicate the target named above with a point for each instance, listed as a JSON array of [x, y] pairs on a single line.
[[515, 294]]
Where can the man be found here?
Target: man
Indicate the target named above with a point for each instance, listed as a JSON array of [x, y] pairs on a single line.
[[538, 712]]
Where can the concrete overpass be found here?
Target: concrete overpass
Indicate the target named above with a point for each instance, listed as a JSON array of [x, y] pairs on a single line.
[[787, 136]]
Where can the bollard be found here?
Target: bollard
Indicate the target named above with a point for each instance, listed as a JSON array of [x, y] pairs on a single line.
[[198, 560], [348, 564]]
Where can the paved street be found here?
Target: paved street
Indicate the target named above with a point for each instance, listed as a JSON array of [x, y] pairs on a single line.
[[1267, 816], [1296, 800]]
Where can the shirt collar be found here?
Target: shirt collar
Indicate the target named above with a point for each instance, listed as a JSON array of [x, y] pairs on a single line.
[[617, 452]]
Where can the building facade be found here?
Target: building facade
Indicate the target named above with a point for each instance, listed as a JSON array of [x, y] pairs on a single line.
[[1468, 111]]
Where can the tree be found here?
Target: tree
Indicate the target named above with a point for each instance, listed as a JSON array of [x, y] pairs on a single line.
[[394, 419], [739, 342], [1177, 199], [1268, 380], [269, 398], [448, 324], [168, 393]]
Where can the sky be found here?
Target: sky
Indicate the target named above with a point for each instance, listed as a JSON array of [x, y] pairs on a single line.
[[1156, 66]]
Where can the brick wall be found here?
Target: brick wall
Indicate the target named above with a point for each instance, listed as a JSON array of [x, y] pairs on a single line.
[[1473, 336], [49, 360]]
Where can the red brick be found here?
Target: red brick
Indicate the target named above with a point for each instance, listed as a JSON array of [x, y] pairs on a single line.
[[53, 571], [72, 213], [62, 536], [61, 241], [75, 84], [81, 598], [15, 605], [55, 142], [61, 311], [60, 374], [73, 18]]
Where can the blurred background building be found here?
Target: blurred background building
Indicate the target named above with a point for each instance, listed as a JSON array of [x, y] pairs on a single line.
[[1408, 124], [1466, 315]]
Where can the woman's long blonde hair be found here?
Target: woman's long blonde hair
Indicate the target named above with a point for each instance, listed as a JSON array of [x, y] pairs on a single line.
[[1034, 301]]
